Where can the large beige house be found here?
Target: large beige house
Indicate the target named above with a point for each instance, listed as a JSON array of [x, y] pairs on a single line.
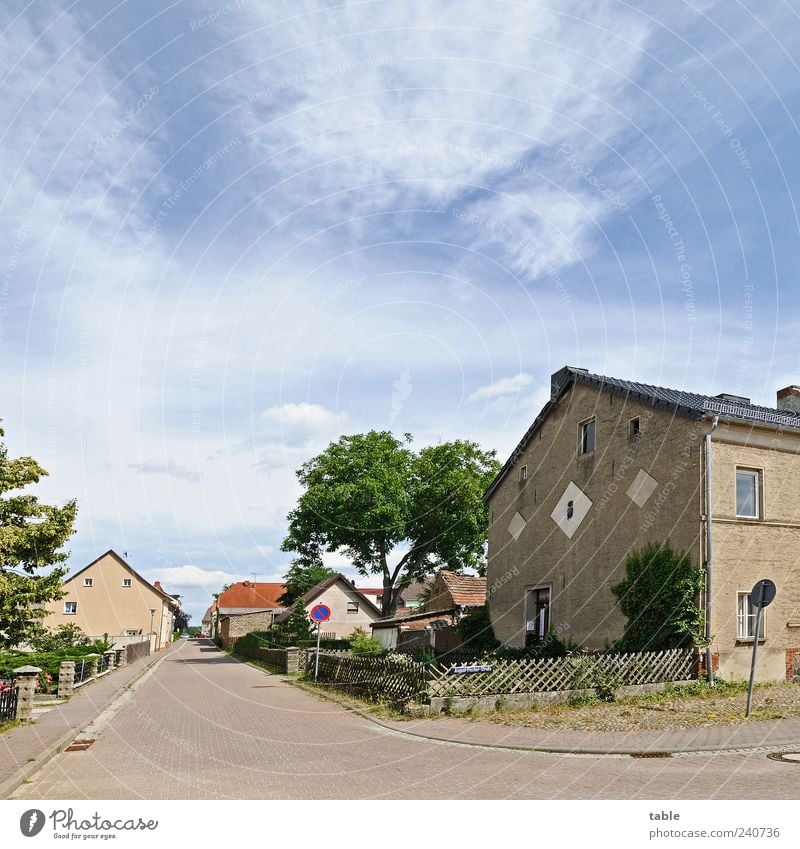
[[610, 465], [110, 597]]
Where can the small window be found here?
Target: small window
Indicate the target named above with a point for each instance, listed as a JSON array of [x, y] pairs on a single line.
[[587, 437], [634, 427], [70, 607], [352, 607], [126, 582], [133, 632], [748, 493], [746, 619], [523, 473], [87, 582]]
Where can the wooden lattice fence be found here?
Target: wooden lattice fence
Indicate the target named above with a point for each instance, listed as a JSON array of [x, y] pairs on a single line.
[[369, 676], [576, 672]]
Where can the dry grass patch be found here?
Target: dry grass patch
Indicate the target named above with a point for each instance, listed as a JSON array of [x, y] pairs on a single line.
[[682, 706]]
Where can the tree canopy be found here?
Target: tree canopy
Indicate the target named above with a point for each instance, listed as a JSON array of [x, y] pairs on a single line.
[[301, 577], [371, 495], [659, 596], [31, 536]]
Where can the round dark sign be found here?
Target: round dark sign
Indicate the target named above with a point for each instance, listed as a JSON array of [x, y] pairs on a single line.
[[762, 593]]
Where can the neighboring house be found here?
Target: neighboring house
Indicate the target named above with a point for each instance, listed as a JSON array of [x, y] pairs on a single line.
[[110, 597], [245, 606], [411, 597], [610, 465], [350, 608], [208, 622], [447, 599]]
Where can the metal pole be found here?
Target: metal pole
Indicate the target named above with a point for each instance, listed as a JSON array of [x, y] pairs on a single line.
[[709, 555], [316, 656], [755, 650]]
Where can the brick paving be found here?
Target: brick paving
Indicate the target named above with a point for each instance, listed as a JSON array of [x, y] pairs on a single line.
[[22, 745], [204, 726]]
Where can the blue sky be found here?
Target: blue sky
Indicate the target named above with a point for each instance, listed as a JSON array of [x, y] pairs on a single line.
[[234, 231]]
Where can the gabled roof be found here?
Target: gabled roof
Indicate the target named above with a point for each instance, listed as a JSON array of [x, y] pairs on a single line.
[[320, 588], [156, 589], [249, 594], [466, 590], [415, 619], [729, 408]]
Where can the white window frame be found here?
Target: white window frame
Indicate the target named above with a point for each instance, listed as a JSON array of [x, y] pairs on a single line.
[[755, 474], [523, 473], [530, 593], [88, 582], [133, 632], [582, 431], [127, 582], [746, 618], [67, 605]]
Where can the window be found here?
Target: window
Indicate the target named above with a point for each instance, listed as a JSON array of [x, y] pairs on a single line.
[[523, 473], [126, 582], [70, 607], [634, 427], [133, 632], [747, 493], [87, 582], [587, 437], [352, 607], [746, 618], [537, 615]]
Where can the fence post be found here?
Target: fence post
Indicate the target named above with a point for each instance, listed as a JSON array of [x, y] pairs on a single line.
[[66, 679], [109, 655], [292, 660], [120, 657], [26, 676], [92, 661]]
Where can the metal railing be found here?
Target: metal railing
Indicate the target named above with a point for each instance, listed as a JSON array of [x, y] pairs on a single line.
[[8, 699], [83, 670]]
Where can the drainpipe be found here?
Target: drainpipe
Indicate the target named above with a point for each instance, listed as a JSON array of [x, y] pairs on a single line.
[[709, 553]]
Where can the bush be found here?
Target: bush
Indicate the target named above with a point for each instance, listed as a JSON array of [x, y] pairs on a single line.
[[659, 597], [477, 632], [64, 637], [361, 643], [552, 646]]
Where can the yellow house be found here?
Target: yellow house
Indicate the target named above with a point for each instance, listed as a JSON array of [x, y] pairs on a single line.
[[110, 597]]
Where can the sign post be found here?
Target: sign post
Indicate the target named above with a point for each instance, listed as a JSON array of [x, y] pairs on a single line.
[[319, 613], [761, 596]]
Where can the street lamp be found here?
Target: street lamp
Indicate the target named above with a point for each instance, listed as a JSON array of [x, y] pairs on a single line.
[[152, 632]]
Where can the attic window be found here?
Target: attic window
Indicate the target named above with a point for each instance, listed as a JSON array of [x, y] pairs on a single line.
[[126, 582], [352, 607], [587, 436], [523, 473], [87, 582], [634, 427]]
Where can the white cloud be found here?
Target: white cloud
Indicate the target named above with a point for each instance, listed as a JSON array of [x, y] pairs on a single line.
[[304, 422], [504, 386], [189, 577]]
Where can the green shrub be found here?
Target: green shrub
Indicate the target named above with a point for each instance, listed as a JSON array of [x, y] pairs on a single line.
[[477, 632], [361, 643]]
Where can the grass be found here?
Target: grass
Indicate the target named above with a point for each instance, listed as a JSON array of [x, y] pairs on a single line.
[[691, 705], [382, 709], [7, 726]]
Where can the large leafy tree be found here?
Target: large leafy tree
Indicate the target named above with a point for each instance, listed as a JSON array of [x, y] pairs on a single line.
[[659, 596], [372, 496], [31, 536], [301, 577]]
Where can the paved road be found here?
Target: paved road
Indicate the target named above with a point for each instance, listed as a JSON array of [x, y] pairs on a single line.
[[204, 726]]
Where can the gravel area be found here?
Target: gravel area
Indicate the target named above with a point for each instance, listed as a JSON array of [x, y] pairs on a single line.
[[657, 712]]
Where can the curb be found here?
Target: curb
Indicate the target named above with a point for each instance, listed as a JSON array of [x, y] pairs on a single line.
[[46, 755], [660, 752]]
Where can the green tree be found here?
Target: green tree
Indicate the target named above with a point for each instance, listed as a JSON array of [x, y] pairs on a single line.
[[297, 626], [31, 535], [659, 597], [370, 495], [182, 620], [301, 577]]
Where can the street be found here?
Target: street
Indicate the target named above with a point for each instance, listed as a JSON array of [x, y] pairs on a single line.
[[202, 725]]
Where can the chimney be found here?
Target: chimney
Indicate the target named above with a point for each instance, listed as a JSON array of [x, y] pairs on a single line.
[[789, 399], [157, 585]]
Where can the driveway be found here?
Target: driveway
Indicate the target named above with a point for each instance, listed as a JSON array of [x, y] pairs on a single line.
[[205, 726]]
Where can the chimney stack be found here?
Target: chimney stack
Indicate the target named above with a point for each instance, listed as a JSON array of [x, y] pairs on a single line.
[[789, 399]]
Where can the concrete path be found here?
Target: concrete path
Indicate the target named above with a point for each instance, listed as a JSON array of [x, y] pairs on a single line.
[[204, 726], [24, 749]]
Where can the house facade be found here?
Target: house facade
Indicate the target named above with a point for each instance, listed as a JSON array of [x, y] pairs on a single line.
[[110, 597], [350, 608], [610, 465], [245, 606]]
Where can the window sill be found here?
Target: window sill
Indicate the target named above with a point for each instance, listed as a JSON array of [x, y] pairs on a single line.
[[748, 641]]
